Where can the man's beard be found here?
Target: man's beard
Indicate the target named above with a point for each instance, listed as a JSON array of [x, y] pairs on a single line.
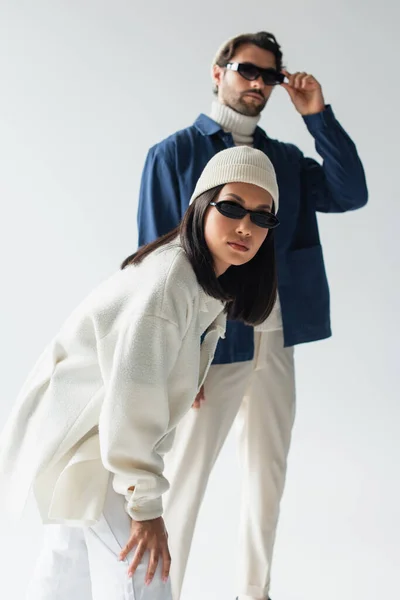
[[240, 105]]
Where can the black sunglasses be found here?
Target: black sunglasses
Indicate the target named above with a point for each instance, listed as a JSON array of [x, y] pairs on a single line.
[[233, 210], [252, 72]]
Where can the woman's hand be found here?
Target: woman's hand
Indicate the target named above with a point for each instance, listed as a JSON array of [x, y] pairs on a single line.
[[199, 398], [148, 536]]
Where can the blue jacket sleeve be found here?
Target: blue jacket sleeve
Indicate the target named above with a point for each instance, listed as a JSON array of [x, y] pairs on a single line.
[[339, 184], [159, 200]]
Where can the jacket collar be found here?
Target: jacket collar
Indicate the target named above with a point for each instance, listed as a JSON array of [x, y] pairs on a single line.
[[207, 126], [212, 312], [208, 303]]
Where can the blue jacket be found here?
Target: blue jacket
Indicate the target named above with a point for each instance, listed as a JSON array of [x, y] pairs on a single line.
[[170, 174]]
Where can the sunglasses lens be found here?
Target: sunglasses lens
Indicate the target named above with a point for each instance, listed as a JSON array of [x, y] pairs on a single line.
[[231, 210], [272, 77], [248, 71], [265, 220]]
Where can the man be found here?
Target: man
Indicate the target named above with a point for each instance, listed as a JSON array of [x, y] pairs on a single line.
[[252, 377]]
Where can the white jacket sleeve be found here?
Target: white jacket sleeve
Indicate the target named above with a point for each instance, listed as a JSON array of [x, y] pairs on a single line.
[[135, 413]]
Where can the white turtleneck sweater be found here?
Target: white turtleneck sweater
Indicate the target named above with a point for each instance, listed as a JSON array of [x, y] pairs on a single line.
[[242, 129], [240, 126]]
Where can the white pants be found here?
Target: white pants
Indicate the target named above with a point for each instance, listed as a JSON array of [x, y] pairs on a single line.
[[82, 563], [261, 394]]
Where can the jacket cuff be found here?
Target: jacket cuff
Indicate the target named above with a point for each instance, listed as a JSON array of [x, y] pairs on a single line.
[[144, 510], [320, 120]]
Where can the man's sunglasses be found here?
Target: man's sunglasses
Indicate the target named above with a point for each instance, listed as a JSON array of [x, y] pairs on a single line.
[[233, 210], [252, 72]]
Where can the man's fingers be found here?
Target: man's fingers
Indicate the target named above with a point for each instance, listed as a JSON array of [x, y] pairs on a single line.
[[307, 80], [293, 83], [137, 559], [295, 80], [196, 403], [152, 567], [290, 90], [286, 74], [166, 563], [298, 79], [292, 78]]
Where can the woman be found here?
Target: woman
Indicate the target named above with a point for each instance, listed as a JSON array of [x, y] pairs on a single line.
[[99, 409]]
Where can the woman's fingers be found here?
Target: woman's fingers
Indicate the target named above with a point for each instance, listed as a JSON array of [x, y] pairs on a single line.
[[148, 536], [166, 563], [152, 566], [196, 403], [199, 398], [137, 559], [126, 549]]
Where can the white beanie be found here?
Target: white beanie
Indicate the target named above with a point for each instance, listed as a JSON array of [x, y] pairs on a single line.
[[240, 164]]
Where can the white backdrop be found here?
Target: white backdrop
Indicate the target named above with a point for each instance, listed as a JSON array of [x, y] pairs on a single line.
[[86, 87]]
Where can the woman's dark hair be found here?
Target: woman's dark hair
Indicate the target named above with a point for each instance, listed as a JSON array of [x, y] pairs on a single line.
[[249, 290], [262, 39]]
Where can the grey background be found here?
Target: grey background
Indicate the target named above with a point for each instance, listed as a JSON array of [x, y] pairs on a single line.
[[86, 88]]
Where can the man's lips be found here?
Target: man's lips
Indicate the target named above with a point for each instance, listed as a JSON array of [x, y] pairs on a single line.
[[238, 246], [254, 95]]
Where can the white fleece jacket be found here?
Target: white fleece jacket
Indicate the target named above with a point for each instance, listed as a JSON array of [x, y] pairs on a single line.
[[108, 392]]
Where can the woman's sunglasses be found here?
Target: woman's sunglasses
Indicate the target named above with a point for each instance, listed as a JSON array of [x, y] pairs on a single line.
[[233, 210], [252, 72]]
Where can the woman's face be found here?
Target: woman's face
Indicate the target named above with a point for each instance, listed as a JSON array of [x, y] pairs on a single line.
[[236, 241]]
